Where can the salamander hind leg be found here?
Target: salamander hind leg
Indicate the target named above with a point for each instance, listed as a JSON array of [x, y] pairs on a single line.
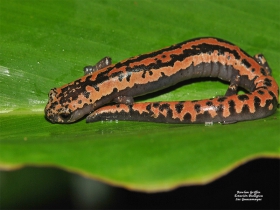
[[234, 83], [262, 61], [104, 62]]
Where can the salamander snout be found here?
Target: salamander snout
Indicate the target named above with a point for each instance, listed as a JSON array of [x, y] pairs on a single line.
[[60, 115], [54, 112], [58, 110]]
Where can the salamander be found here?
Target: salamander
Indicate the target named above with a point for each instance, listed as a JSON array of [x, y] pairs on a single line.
[[106, 90]]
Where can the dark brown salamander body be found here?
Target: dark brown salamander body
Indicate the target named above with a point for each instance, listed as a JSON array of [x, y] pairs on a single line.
[[201, 57]]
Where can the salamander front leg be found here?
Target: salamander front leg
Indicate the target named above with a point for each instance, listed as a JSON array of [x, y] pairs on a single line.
[[104, 62]]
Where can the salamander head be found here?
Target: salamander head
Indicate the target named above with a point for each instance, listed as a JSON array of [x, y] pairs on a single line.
[[62, 109]]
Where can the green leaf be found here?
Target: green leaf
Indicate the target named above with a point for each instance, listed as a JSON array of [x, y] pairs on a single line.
[[46, 45]]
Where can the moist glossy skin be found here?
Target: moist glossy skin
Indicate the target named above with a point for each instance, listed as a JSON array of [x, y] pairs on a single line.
[[201, 57]]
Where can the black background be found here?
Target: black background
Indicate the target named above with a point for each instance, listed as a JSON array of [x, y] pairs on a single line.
[[261, 175]]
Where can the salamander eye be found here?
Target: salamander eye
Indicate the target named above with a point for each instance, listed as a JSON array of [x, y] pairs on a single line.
[[65, 116]]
